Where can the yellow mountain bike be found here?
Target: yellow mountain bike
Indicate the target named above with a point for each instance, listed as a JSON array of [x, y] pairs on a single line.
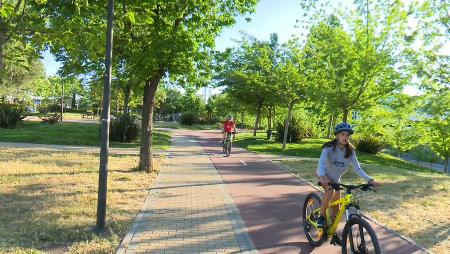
[[358, 236]]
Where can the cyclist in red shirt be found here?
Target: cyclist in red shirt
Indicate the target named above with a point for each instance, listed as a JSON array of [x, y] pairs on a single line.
[[228, 126]]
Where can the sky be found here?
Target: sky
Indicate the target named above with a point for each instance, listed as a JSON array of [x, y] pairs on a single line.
[[271, 16]]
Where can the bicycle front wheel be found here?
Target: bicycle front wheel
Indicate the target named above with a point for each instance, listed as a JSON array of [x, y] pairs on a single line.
[[316, 236], [359, 237], [228, 149]]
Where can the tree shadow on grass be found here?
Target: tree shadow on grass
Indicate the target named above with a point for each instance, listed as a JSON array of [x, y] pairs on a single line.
[[36, 217]]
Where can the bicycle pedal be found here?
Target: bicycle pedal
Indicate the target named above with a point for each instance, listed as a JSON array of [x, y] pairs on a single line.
[[335, 240]]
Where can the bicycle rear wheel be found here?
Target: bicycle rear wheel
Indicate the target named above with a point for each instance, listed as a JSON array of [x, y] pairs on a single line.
[[359, 237], [316, 236], [228, 149]]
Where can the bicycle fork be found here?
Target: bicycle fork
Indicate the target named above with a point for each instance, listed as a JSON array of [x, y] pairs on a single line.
[[335, 240]]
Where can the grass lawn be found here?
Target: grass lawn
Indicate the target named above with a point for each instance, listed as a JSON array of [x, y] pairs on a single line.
[[413, 200], [70, 133], [74, 116], [308, 147], [48, 201]]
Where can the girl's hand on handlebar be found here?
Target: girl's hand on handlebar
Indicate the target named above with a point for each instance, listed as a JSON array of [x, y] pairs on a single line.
[[325, 181]]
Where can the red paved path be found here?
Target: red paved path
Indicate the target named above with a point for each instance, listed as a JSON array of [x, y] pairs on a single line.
[[269, 200]]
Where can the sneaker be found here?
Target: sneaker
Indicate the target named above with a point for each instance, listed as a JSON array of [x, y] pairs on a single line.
[[321, 221]]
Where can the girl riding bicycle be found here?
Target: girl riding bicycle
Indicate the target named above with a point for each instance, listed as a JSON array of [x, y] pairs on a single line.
[[336, 157]]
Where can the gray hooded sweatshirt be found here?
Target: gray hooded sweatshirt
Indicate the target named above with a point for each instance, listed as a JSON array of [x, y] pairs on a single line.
[[333, 164]]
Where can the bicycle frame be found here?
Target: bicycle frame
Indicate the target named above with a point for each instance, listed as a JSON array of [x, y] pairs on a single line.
[[344, 202]]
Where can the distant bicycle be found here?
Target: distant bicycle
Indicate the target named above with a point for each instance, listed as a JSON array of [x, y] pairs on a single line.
[[358, 236], [228, 143]]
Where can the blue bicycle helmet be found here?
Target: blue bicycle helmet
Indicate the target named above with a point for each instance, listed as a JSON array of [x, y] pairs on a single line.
[[343, 127]]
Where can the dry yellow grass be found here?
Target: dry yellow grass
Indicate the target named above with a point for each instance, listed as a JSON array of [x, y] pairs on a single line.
[[48, 201], [413, 203]]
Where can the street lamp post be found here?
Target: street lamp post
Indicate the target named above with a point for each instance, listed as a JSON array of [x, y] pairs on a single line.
[[62, 98], [103, 170]]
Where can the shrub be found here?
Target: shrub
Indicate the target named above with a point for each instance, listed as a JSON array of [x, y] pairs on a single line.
[[50, 119], [369, 143], [11, 115], [296, 131], [188, 118], [124, 128], [426, 154], [74, 110]]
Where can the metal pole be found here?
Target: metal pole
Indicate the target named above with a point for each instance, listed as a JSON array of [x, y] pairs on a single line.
[[103, 170], [62, 99]]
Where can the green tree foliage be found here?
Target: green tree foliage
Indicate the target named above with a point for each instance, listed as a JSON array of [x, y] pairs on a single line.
[[192, 103], [21, 36], [172, 104], [248, 70], [349, 74], [437, 124], [51, 90], [394, 121], [21, 81], [223, 104]]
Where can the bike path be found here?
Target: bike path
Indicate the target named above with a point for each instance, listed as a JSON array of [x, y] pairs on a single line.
[[188, 210], [270, 202]]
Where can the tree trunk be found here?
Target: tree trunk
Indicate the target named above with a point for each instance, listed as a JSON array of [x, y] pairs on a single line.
[[330, 126], [269, 120], [126, 92], [269, 124], [146, 153], [2, 47], [286, 124], [258, 116], [446, 167], [345, 116], [274, 115], [62, 100], [74, 100]]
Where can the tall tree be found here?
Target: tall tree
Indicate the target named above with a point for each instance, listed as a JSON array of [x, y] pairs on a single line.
[[437, 125], [157, 38], [366, 60], [247, 72], [21, 80], [178, 42], [291, 82]]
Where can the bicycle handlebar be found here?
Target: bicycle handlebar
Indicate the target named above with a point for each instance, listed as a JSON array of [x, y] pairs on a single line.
[[363, 187]]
